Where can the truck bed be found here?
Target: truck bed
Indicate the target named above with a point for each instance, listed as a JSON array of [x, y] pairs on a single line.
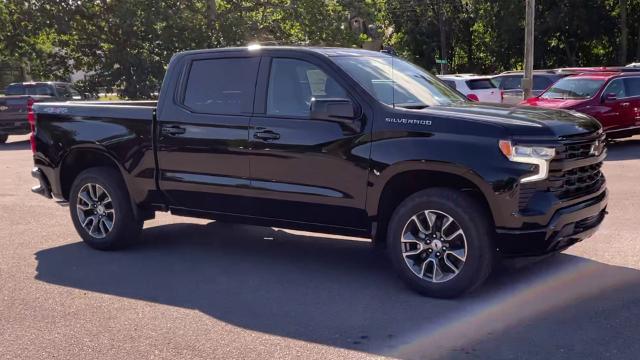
[[121, 131]]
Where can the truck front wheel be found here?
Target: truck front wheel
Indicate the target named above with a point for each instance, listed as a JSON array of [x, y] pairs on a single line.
[[440, 242], [101, 210]]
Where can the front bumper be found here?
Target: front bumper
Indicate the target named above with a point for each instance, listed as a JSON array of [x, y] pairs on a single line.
[[568, 226]]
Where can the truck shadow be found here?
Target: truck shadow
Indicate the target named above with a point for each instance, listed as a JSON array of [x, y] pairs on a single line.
[[341, 293], [621, 150], [16, 145]]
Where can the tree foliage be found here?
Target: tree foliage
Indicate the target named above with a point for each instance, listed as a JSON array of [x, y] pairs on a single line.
[[126, 44]]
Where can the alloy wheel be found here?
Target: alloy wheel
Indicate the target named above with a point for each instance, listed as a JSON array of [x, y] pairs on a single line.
[[95, 210], [434, 246]]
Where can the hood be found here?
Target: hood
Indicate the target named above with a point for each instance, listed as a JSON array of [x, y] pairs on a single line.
[[522, 120], [553, 103]]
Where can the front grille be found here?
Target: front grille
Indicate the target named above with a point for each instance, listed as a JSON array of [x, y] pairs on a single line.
[[573, 149], [581, 180], [573, 181]]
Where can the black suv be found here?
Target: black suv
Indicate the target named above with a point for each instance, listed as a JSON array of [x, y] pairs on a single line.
[[343, 141]]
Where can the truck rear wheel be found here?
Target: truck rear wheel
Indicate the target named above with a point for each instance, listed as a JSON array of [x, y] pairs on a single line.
[[440, 242], [102, 211], [3, 138]]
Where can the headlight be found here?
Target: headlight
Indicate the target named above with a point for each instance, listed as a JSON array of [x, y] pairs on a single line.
[[535, 155]]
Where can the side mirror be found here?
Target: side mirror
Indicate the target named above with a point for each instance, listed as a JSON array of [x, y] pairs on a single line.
[[610, 97], [337, 110]]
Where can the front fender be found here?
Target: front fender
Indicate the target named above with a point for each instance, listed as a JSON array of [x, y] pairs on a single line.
[[476, 159]]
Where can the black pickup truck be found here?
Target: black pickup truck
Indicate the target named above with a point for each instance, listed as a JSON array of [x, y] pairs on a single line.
[[333, 140], [19, 99]]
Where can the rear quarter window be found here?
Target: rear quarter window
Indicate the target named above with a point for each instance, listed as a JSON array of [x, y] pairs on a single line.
[[450, 83], [480, 84], [223, 86]]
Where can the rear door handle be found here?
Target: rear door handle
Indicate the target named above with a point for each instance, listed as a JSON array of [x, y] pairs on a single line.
[[172, 130], [266, 135]]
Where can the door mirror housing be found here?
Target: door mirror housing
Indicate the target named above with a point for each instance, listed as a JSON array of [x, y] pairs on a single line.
[[610, 97], [342, 111], [332, 109]]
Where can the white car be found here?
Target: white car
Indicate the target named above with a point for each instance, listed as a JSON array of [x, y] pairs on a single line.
[[634, 65], [475, 87]]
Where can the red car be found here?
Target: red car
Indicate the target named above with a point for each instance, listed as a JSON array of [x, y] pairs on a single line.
[[611, 97]]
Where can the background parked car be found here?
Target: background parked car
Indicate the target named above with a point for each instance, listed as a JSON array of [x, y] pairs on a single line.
[[19, 98], [474, 87], [634, 65], [612, 97], [510, 83]]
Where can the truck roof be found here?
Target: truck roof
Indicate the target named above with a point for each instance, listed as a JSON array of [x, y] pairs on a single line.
[[31, 83], [327, 51], [464, 77]]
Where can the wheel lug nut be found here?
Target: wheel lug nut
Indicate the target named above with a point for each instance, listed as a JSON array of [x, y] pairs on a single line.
[[437, 254]]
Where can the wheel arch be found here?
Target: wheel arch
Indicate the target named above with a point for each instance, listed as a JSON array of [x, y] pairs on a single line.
[[409, 178], [81, 158]]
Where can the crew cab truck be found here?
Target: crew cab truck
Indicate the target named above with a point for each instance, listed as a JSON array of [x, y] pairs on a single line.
[[334, 140]]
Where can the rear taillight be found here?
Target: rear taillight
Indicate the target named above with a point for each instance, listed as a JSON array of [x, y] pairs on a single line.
[[473, 97], [31, 118]]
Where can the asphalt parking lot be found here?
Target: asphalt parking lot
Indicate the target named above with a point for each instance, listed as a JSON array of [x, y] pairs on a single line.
[[200, 289]]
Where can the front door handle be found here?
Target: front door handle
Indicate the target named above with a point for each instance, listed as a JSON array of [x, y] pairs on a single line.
[[266, 135], [624, 105], [172, 130]]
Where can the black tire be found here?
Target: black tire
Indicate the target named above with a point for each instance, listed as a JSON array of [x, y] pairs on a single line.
[[3, 138], [126, 227], [469, 216]]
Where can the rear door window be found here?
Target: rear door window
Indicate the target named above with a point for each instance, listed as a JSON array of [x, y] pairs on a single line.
[[222, 86], [541, 82], [616, 87], [632, 86], [511, 83], [480, 84]]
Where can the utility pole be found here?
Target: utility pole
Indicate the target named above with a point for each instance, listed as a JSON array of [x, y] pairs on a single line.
[[527, 80]]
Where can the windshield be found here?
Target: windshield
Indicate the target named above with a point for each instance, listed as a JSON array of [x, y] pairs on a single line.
[[573, 88], [398, 83]]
